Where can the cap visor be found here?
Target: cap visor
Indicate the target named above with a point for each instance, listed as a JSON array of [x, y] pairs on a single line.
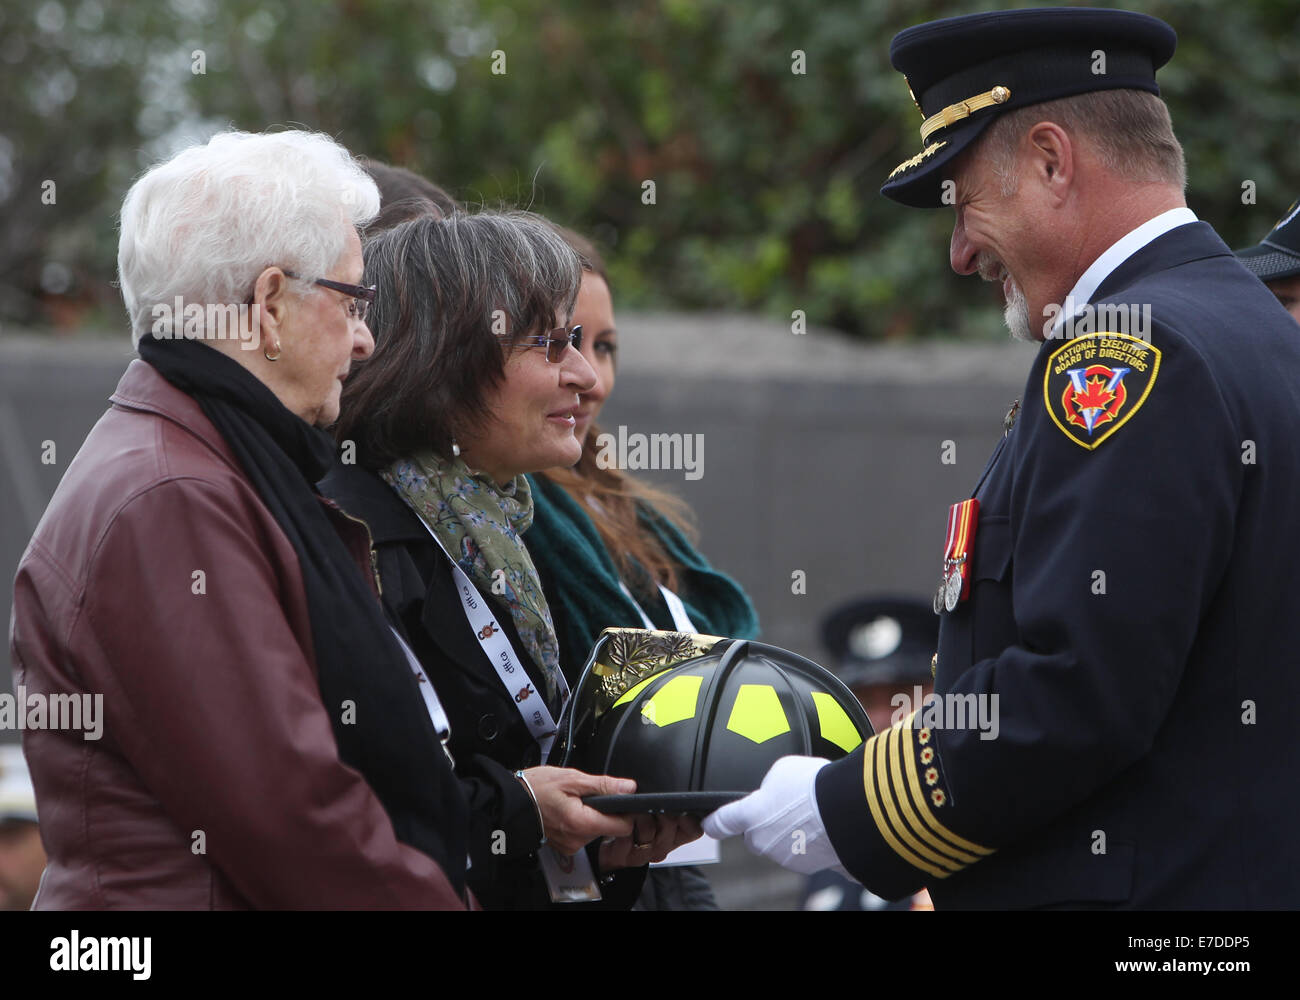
[[1269, 263], [922, 186]]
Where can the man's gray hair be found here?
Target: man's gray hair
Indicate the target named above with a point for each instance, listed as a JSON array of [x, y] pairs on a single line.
[[205, 223], [1129, 129]]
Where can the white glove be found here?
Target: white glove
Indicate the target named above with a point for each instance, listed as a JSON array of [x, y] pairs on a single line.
[[781, 821]]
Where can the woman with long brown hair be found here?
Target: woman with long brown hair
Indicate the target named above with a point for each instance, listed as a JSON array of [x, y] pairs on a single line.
[[613, 551]]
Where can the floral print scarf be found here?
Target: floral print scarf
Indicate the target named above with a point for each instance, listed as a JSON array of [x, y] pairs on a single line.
[[480, 523]]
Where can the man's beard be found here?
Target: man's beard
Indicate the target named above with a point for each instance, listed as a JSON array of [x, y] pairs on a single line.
[[1016, 314]]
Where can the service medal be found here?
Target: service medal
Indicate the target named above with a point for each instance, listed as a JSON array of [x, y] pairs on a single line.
[[952, 591], [957, 548]]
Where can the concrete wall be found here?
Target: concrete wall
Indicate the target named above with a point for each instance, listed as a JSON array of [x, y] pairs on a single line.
[[820, 455]]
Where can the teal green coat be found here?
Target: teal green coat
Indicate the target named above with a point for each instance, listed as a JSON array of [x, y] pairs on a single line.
[[581, 582]]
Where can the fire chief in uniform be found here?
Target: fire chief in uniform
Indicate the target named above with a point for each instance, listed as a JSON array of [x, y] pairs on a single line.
[[1117, 586]]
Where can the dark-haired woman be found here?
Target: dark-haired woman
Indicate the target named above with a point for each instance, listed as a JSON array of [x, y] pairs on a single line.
[[474, 383], [613, 551]]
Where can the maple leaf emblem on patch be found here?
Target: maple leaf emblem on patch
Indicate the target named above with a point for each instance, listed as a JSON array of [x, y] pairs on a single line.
[[1094, 396]]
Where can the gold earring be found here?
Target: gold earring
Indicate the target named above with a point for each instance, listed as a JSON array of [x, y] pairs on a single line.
[[278, 351]]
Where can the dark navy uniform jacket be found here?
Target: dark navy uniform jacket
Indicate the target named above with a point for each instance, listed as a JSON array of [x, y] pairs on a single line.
[[1135, 609]]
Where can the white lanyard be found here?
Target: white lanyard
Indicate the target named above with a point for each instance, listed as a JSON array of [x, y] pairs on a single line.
[[681, 620], [568, 879], [514, 678], [432, 704]]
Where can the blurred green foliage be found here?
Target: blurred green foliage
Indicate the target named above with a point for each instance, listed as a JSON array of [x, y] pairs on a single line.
[[765, 178]]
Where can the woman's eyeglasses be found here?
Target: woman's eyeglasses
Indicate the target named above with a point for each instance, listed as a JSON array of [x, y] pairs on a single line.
[[360, 296], [556, 342]]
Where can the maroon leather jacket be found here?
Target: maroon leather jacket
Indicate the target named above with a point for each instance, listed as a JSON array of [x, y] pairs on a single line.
[[158, 579]]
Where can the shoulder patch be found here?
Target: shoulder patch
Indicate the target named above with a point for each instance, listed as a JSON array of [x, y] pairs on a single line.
[[1093, 384]]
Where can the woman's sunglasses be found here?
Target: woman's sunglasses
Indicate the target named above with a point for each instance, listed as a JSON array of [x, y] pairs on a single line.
[[556, 342]]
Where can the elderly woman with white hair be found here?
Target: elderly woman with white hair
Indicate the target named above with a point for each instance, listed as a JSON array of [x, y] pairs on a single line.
[[266, 741]]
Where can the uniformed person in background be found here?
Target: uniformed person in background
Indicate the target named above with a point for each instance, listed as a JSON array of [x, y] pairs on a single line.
[[1117, 597], [1275, 260]]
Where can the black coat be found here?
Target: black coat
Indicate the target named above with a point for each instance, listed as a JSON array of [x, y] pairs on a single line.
[[489, 740], [1133, 566]]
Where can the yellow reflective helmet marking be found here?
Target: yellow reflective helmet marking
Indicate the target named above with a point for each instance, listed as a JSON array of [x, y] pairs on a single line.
[[634, 690], [757, 714], [674, 702], [835, 724]]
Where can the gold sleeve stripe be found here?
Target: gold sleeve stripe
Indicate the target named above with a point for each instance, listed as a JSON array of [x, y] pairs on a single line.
[[892, 776], [874, 762], [934, 848], [928, 817]]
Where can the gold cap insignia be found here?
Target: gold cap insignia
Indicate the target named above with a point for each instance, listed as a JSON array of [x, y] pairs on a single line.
[[918, 159], [912, 94], [954, 113]]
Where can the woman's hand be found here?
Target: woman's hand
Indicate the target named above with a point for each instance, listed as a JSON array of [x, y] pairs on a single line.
[[567, 824], [653, 839]]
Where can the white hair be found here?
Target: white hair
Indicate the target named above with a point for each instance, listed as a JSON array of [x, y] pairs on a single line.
[[204, 224]]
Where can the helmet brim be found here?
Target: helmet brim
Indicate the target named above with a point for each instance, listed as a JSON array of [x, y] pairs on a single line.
[[677, 803]]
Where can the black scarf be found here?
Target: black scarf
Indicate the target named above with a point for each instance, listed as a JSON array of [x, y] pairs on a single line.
[[389, 738]]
